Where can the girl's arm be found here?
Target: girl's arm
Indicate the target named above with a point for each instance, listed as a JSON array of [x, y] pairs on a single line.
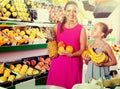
[[110, 53]]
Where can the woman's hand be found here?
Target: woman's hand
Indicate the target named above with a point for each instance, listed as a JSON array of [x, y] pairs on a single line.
[[66, 53]]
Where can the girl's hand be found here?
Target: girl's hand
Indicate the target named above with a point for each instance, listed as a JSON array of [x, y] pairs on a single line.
[[100, 64], [86, 59]]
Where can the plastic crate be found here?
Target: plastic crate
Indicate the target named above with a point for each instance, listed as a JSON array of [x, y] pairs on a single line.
[[41, 80]]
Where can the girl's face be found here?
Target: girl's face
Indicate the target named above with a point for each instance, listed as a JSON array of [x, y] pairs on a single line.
[[97, 31], [71, 12]]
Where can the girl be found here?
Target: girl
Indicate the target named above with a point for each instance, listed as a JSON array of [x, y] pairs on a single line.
[[66, 69], [94, 70]]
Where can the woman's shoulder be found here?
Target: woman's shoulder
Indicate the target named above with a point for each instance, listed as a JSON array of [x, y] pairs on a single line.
[[79, 25]]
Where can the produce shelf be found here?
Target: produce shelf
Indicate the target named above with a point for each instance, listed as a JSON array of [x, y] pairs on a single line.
[[49, 24], [22, 47]]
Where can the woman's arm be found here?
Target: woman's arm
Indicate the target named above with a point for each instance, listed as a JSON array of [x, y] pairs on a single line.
[[83, 43], [53, 32], [110, 53]]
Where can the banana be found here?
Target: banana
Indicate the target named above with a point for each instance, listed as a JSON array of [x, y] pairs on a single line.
[[93, 53], [96, 58], [99, 59]]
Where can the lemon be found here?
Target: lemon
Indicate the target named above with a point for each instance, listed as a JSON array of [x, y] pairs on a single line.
[[61, 49]]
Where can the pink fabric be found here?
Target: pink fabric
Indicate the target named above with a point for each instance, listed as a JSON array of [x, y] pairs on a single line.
[[67, 71]]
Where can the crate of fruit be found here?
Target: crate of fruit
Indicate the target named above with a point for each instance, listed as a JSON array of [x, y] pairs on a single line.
[[14, 38], [41, 63], [14, 10], [8, 10], [9, 78]]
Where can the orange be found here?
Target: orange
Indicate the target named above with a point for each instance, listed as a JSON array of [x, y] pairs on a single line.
[[61, 43], [61, 49], [69, 49], [85, 52]]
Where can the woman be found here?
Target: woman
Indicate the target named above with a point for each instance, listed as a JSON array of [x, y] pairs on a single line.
[[66, 69], [94, 70]]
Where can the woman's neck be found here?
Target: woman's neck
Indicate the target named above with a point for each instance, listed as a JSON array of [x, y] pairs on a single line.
[[70, 24]]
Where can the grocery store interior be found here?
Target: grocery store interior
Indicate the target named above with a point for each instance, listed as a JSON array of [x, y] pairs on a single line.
[[25, 26]]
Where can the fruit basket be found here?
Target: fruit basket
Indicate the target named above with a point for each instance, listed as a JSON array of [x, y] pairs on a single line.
[[21, 35], [31, 5], [31, 35], [22, 10], [8, 10], [41, 63], [14, 10], [13, 37], [9, 78], [18, 67]]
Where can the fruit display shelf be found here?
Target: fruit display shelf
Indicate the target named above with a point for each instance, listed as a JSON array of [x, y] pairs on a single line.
[[39, 78], [22, 47], [46, 24]]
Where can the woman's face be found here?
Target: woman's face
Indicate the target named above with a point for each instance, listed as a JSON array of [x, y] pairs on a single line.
[[71, 12], [97, 31]]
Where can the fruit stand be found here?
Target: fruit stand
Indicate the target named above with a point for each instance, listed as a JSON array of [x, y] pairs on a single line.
[[24, 48]]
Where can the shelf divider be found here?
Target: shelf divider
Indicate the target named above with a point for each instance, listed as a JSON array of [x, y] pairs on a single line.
[[22, 47]]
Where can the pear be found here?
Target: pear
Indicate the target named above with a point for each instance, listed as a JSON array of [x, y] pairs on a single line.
[[0, 14], [14, 14], [8, 6], [4, 10], [8, 13], [28, 2], [12, 8]]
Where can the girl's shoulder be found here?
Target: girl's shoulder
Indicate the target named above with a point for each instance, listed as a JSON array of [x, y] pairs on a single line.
[[91, 45], [107, 46]]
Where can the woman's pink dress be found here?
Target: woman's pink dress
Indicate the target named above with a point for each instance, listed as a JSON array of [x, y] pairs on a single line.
[[66, 71]]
